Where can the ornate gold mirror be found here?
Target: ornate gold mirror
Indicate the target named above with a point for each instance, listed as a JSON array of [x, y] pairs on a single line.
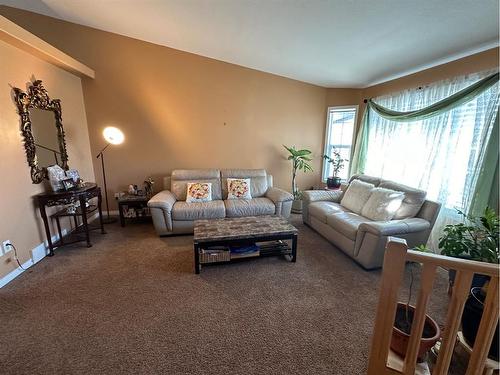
[[42, 129]]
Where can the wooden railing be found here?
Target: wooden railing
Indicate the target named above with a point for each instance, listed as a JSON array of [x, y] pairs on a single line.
[[397, 254]]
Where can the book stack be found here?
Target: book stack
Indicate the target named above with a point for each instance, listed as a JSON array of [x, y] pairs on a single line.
[[246, 251]]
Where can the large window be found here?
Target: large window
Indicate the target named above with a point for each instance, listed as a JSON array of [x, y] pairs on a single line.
[[439, 155], [340, 126]]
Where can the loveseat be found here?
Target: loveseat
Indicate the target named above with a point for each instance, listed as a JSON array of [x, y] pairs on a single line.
[[360, 237], [173, 215]]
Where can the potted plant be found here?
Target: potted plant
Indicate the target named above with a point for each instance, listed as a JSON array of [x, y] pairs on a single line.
[[403, 321], [477, 238], [300, 162], [337, 163]]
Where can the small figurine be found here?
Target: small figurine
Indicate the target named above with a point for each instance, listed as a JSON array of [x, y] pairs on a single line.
[[148, 186], [131, 189]]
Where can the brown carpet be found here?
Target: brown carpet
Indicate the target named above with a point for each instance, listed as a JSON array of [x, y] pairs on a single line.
[[132, 304]]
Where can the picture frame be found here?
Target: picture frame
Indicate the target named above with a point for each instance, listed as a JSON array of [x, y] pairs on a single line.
[[68, 183], [73, 173]]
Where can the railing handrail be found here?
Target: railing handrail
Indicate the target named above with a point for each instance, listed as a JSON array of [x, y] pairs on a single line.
[[482, 268]]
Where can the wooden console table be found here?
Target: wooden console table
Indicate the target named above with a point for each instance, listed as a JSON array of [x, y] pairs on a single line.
[[80, 194]]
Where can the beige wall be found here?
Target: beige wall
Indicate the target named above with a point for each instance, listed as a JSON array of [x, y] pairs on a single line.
[[180, 110], [19, 221]]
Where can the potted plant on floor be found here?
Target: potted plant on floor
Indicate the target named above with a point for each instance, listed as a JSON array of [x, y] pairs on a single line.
[[403, 323], [477, 238], [300, 162], [337, 163]]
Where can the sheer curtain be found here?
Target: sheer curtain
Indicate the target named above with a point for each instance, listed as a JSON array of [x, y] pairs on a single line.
[[442, 154]]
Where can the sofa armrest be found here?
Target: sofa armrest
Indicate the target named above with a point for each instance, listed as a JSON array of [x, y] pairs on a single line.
[[395, 227], [164, 199], [322, 195], [278, 195]]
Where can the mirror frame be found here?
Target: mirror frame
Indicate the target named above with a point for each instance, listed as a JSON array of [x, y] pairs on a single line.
[[37, 97]]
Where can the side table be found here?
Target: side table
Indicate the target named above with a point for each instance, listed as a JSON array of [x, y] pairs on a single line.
[[135, 204]]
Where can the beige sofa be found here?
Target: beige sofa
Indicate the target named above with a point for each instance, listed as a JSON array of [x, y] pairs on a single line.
[[172, 215], [362, 239]]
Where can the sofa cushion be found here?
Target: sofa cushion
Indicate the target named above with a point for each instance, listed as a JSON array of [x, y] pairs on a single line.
[[382, 204], [365, 178], [346, 223], [199, 210], [320, 210], [238, 188], [412, 202], [258, 180], [356, 195], [199, 192], [249, 207], [181, 177]]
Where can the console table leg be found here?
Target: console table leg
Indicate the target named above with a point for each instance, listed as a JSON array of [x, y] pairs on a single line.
[[84, 220], [47, 230], [61, 241], [99, 206], [294, 248], [196, 259]]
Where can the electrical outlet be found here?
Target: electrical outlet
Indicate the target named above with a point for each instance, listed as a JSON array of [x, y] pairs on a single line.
[[7, 246]]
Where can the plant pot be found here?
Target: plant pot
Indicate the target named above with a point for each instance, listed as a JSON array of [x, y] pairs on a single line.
[[400, 338], [471, 317], [333, 182], [297, 206], [477, 280]]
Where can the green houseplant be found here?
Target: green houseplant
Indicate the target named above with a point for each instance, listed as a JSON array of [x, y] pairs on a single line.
[[476, 238], [300, 162], [337, 163]]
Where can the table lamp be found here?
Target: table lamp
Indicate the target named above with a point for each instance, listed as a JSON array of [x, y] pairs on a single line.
[[113, 136]]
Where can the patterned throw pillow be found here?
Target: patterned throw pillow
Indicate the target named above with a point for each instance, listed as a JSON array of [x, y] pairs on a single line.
[[238, 188], [199, 192]]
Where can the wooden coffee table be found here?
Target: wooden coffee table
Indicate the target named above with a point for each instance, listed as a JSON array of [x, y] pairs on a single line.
[[270, 232]]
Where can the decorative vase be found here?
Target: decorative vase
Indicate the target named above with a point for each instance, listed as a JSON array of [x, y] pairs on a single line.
[[333, 182], [297, 206], [400, 339], [471, 317]]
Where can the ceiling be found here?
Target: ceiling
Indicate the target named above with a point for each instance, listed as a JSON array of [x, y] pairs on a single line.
[[331, 43]]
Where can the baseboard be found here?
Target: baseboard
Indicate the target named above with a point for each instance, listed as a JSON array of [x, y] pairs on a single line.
[[37, 254]]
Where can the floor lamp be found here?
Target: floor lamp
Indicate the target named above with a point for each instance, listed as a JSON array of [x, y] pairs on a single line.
[[113, 136]]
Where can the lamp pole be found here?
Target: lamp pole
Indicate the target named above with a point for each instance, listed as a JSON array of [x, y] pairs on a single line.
[[108, 220]]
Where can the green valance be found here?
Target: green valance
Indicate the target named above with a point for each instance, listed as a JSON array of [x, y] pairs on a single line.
[[438, 108]]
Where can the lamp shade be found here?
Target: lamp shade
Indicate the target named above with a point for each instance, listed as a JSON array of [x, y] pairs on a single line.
[[113, 135]]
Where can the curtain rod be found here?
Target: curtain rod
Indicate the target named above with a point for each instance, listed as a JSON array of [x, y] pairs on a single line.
[[366, 100]]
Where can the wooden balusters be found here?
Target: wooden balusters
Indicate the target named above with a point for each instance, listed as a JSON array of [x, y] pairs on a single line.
[[461, 290], [486, 330], [427, 280], [397, 254]]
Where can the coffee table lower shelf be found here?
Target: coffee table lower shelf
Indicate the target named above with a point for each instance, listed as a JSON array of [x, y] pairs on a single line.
[[268, 246]]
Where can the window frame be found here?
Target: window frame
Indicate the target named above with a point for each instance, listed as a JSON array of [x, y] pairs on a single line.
[[329, 110]]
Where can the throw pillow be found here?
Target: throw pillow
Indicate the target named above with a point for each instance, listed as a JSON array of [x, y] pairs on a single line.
[[199, 192], [238, 188], [356, 195], [382, 204]]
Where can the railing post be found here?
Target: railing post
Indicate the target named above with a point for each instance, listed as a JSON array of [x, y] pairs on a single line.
[[392, 277]]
